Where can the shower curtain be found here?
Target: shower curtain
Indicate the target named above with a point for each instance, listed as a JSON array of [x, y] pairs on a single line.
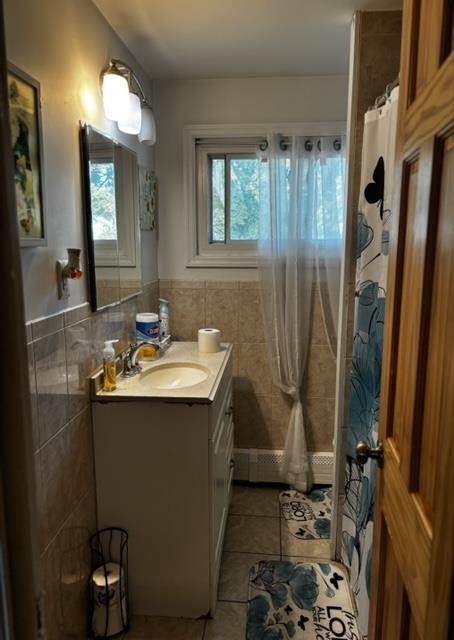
[[374, 213], [301, 220]]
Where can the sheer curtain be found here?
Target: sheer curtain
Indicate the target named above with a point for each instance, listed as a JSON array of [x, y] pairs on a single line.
[[301, 212]]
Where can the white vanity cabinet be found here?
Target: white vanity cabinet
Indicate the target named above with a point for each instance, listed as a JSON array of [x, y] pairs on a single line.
[[163, 472]]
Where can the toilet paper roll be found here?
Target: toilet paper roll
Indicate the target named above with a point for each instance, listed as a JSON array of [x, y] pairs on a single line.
[[209, 340]]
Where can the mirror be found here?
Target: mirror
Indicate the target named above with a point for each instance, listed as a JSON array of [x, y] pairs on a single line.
[[111, 186]]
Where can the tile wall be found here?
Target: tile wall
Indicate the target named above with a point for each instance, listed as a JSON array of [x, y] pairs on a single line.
[[261, 410], [377, 59], [63, 350]]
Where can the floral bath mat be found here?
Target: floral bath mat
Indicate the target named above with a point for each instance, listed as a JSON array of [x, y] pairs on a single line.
[[308, 515], [309, 601]]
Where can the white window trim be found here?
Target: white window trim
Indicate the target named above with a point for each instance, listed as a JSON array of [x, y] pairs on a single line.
[[195, 256]]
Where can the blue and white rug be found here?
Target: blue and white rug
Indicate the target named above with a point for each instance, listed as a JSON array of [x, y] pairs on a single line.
[[308, 515], [309, 600]]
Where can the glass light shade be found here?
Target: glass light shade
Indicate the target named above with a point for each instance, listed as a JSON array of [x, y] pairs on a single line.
[[147, 133], [132, 121], [115, 95]]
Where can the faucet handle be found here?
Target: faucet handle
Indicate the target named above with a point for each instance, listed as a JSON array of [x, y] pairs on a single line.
[[126, 363]]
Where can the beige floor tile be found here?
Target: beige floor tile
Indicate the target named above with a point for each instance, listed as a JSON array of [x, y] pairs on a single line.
[[309, 549], [234, 576], [252, 534], [229, 622], [255, 501], [160, 628]]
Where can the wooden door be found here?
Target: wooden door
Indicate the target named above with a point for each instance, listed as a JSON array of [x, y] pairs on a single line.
[[414, 523]]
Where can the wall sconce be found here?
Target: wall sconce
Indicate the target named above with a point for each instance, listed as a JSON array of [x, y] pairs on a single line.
[[68, 270], [125, 102]]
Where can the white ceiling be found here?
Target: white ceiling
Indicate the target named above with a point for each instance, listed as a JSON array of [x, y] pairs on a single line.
[[237, 38]]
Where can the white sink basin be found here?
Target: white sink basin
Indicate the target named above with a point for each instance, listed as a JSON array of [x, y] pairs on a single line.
[[174, 375]]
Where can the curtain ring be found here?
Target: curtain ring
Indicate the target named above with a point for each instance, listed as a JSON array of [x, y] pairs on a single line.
[[337, 145], [319, 145], [283, 145], [263, 146], [308, 145]]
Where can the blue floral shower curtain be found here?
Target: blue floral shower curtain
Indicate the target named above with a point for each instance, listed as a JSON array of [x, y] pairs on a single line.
[[374, 213]]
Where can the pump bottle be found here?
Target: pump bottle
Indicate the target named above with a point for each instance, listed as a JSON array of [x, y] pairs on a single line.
[[110, 369]]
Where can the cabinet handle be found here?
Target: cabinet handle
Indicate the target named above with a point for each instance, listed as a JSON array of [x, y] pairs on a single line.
[[229, 411], [232, 463]]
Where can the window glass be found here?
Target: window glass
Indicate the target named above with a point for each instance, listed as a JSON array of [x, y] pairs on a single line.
[[244, 199], [217, 200]]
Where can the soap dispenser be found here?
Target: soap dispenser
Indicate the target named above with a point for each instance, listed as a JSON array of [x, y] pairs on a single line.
[[110, 368]]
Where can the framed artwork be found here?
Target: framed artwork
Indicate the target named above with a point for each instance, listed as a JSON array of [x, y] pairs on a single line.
[[26, 137], [148, 198]]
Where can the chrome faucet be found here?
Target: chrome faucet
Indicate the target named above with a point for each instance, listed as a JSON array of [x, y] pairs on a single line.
[[130, 365]]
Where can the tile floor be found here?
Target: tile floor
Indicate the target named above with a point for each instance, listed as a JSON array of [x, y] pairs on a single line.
[[255, 531]]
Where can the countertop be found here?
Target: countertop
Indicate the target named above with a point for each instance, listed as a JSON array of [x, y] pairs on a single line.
[[136, 388]]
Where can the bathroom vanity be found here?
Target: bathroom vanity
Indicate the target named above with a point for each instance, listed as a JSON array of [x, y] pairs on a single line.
[[163, 456]]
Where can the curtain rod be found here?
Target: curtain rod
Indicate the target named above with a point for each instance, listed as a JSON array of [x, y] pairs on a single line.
[[263, 144], [380, 101], [285, 143]]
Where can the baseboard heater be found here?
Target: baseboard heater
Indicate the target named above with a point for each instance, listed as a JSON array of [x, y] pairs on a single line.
[[263, 465]]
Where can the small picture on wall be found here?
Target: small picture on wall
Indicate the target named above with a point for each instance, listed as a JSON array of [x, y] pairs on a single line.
[[26, 135], [148, 198]]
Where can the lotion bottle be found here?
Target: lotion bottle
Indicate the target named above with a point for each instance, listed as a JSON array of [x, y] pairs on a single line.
[[110, 367]]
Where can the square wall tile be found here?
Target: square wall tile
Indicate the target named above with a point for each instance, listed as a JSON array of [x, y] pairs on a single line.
[[252, 417], [33, 396], [51, 384], [67, 472], [319, 418], [250, 317], [222, 312], [188, 284], [66, 570], [254, 370], [320, 375], [46, 326], [187, 309], [80, 363], [222, 284]]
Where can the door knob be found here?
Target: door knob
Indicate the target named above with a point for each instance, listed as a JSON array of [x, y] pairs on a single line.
[[364, 452]]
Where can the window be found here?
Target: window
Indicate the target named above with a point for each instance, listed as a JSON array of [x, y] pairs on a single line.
[[227, 197], [224, 180]]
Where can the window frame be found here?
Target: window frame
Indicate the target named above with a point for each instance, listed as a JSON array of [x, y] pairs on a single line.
[[198, 255], [229, 248]]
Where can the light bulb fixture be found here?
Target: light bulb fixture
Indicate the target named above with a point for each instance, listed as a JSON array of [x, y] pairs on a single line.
[[125, 101], [147, 133], [115, 93], [132, 122]]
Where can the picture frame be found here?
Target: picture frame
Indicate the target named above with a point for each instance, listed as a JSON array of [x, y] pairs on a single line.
[[24, 97], [148, 200]]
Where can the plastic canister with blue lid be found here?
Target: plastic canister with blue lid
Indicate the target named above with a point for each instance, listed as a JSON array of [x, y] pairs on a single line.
[[147, 327]]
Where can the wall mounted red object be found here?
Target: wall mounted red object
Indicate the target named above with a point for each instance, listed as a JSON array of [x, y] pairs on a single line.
[[68, 270]]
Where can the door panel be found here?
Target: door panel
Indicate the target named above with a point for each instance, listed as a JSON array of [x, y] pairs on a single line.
[[413, 543]]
